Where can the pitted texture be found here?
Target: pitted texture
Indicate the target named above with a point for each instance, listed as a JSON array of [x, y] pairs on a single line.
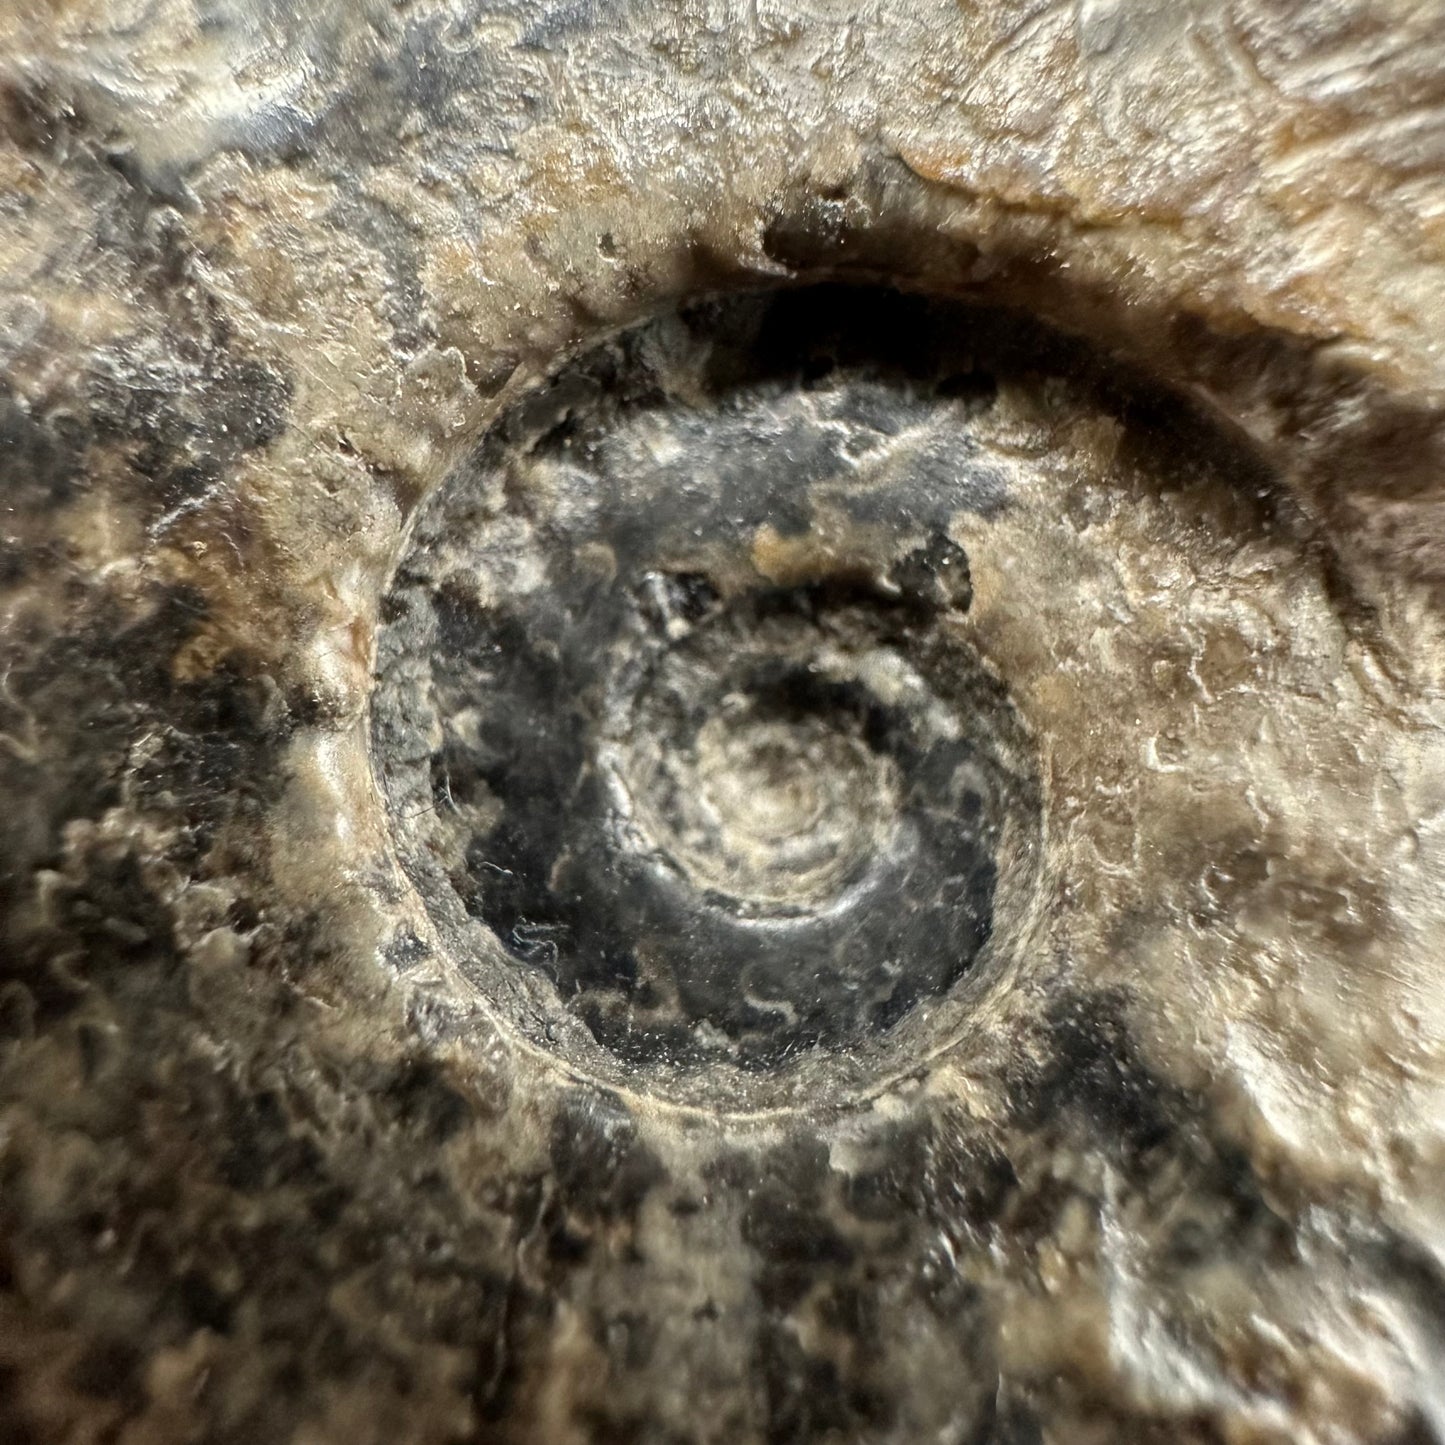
[[286, 1158]]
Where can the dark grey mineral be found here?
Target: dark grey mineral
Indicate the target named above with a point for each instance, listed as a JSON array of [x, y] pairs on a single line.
[[729, 813]]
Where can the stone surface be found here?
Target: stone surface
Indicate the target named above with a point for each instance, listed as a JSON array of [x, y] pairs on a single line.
[[722, 723]]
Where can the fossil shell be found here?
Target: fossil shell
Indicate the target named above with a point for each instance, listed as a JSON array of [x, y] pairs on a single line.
[[722, 723]]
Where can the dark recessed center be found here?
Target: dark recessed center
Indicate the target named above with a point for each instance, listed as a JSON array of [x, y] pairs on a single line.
[[709, 758]]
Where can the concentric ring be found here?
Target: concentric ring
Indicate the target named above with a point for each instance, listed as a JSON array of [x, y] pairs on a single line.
[[692, 755]]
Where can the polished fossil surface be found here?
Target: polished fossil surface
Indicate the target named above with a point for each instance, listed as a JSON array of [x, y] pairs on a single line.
[[722, 722]]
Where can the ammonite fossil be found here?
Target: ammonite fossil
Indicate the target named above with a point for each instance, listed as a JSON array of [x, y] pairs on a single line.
[[722, 723]]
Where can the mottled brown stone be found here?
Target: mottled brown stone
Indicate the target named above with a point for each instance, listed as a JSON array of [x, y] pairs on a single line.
[[280, 1160]]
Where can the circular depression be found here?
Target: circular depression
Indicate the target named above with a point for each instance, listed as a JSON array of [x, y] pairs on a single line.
[[688, 749]]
